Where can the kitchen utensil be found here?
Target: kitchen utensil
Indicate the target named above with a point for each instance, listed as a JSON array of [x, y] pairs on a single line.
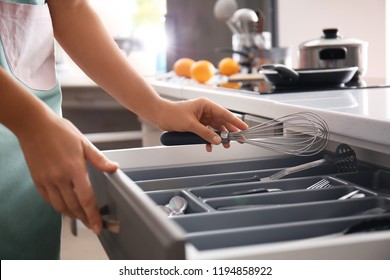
[[250, 49], [178, 205], [351, 195], [300, 134], [247, 206], [284, 172], [334, 51], [240, 77], [344, 160], [262, 52], [348, 195], [322, 184], [251, 191], [224, 10], [251, 42], [358, 195], [281, 76], [260, 22], [245, 19]]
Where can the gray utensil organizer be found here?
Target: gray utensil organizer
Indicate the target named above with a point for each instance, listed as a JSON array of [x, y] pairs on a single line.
[[293, 214]]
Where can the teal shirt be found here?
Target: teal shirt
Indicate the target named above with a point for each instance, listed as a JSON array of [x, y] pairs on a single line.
[[29, 228]]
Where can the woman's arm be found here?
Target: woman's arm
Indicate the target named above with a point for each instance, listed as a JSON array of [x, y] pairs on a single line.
[[55, 152], [82, 35]]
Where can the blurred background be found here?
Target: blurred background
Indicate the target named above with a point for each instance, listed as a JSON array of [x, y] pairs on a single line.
[[155, 33]]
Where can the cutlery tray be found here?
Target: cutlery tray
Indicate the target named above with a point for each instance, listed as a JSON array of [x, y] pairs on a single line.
[[216, 219], [271, 215]]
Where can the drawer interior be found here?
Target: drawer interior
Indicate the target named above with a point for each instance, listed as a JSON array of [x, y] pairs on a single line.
[[229, 205], [227, 208]]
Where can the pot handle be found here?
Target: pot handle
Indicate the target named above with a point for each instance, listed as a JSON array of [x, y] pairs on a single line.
[[333, 53], [284, 72]]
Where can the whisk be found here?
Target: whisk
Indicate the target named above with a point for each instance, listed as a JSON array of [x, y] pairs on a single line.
[[301, 134]]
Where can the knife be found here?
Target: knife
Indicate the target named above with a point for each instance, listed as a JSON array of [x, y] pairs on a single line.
[[253, 191]]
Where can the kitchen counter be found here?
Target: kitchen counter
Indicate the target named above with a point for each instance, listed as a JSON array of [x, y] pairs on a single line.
[[359, 117]]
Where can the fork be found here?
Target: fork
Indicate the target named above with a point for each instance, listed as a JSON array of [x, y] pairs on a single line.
[[322, 184]]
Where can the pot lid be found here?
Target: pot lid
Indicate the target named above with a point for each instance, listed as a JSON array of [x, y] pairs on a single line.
[[332, 37]]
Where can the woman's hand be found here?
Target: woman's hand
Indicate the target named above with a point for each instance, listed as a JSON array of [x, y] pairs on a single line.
[[56, 153], [198, 116]]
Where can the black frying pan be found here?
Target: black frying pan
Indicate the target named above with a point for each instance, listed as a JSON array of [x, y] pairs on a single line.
[[282, 76]]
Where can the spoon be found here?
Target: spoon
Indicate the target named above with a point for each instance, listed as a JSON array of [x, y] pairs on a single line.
[[178, 205], [245, 20]]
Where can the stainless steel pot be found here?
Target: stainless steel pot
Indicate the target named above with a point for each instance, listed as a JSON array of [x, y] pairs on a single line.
[[334, 51]]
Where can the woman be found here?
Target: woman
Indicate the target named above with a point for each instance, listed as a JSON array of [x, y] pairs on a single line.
[[42, 156]]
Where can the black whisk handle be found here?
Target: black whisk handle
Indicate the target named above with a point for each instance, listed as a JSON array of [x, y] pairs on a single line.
[[174, 138]]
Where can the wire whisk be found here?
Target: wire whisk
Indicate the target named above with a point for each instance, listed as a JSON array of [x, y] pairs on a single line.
[[301, 134]]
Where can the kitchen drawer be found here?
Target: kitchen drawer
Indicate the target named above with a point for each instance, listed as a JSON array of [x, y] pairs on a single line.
[[292, 222]]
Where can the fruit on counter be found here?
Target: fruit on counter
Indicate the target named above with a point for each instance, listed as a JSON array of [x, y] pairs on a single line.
[[202, 71], [228, 66], [182, 67]]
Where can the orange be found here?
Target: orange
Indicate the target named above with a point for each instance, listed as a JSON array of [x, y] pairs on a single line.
[[228, 66], [202, 71], [182, 67]]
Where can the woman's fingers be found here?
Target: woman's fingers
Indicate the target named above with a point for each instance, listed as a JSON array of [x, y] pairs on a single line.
[[84, 192], [97, 159], [73, 204], [56, 199]]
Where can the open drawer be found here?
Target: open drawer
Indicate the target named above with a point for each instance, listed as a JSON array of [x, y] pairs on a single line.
[[291, 222]]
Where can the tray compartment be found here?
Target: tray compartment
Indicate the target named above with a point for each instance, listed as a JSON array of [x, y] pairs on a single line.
[[282, 198], [282, 184], [331, 228], [201, 175], [194, 205], [279, 215], [153, 173], [377, 180]]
